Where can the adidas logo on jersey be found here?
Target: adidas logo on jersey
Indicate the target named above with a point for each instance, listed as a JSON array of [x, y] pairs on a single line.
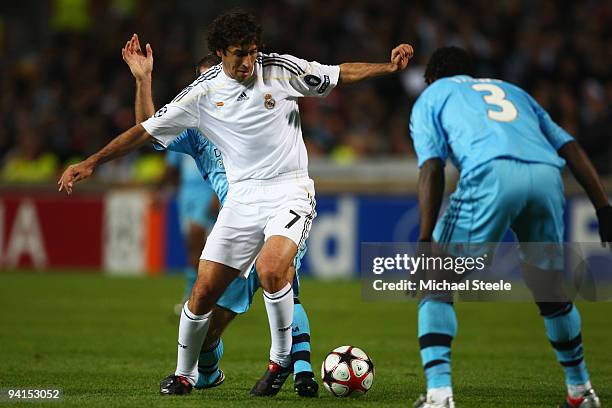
[[243, 97]]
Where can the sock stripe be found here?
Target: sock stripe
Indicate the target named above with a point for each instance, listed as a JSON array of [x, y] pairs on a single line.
[[566, 308], [266, 294], [212, 366], [435, 339], [300, 355], [434, 363], [567, 345], [572, 363], [301, 338], [187, 316], [551, 309]]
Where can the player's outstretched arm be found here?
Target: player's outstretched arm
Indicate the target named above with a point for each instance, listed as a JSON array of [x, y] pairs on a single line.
[[431, 191], [585, 173], [141, 66], [352, 72], [129, 140]]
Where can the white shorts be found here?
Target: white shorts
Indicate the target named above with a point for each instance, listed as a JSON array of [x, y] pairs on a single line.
[[255, 210]]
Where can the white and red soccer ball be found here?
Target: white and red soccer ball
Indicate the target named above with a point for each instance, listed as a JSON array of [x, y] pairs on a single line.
[[347, 370]]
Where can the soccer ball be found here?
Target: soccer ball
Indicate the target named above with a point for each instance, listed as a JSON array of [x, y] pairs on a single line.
[[347, 370]]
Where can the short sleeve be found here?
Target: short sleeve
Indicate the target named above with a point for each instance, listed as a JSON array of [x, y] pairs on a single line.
[[180, 114], [554, 133], [301, 77], [427, 133]]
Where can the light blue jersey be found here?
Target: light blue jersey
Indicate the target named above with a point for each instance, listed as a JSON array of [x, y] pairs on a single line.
[[194, 195], [190, 176], [505, 146], [239, 294], [208, 162], [472, 121]]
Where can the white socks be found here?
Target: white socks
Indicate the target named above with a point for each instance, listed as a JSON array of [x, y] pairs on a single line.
[[192, 331], [279, 306], [439, 395]]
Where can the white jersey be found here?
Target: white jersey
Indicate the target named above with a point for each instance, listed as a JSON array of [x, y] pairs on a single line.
[[255, 124]]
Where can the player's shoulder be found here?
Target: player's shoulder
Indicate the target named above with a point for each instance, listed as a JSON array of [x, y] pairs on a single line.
[[516, 89], [209, 76], [200, 85], [435, 93], [274, 62]]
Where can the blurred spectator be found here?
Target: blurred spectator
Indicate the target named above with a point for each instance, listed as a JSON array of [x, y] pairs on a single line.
[[62, 75], [26, 162]]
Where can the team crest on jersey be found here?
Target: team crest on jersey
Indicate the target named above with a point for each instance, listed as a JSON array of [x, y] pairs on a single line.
[[269, 102]]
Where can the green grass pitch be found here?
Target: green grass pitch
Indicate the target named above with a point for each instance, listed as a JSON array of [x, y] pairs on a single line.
[[108, 341]]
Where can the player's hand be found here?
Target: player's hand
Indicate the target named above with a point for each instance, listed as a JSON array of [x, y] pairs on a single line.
[[604, 217], [140, 64], [73, 174], [401, 55]]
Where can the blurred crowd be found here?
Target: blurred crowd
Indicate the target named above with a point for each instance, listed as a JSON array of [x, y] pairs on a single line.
[[65, 91]]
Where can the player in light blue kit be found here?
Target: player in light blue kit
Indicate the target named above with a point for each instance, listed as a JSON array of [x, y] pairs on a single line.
[[238, 297], [510, 154], [197, 211]]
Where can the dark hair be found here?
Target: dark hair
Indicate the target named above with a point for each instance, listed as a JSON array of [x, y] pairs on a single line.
[[234, 27], [449, 61], [208, 61]]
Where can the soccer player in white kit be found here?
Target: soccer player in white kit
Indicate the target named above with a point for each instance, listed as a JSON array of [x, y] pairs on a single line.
[[247, 107]]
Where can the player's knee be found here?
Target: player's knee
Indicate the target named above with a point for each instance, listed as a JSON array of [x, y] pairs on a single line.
[[201, 290], [272, 280], [202, 298], [271, 267], [272, 283]]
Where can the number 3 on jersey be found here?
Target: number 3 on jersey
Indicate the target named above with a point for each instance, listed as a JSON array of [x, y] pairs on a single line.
[[497, 97]]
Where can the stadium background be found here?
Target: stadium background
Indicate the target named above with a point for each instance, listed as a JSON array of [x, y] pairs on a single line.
[[65, 92]]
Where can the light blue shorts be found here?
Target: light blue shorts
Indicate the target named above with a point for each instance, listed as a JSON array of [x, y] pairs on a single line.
[[504, 194], [193, 208], [238, 296]]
